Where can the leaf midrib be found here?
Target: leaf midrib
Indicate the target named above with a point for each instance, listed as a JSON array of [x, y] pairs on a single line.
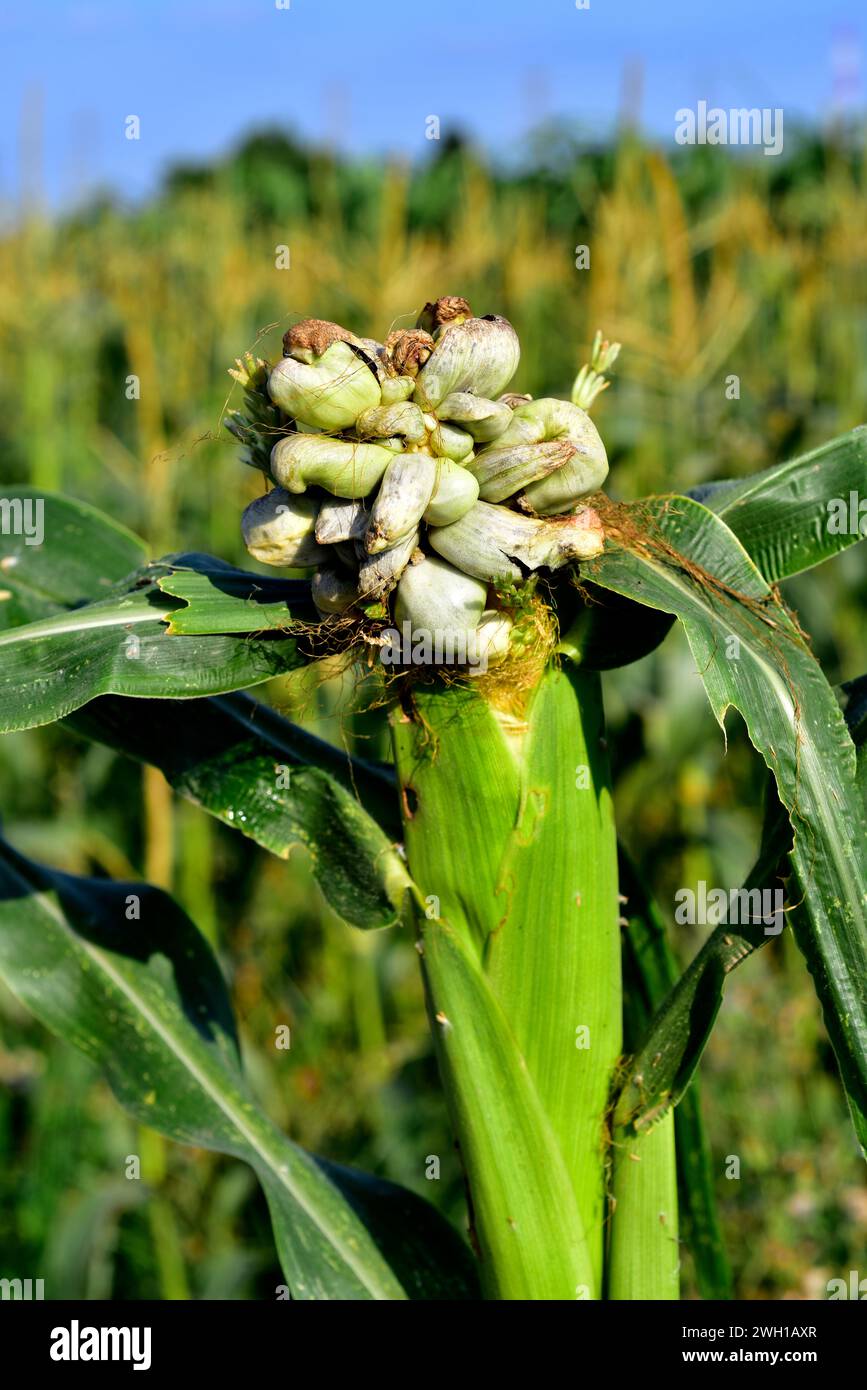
[[87, 619]]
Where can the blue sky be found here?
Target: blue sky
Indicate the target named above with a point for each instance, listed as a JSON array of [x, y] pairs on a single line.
[[365, 74]]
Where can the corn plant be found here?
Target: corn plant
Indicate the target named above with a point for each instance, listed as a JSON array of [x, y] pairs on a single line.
[[449, 543]]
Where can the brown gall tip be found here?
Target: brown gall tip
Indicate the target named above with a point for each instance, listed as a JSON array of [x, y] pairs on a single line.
[[444, 313], [407, 350], [314, 336]]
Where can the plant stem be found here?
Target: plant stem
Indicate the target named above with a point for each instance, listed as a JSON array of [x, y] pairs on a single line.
[[644, 1256], [510, 837]]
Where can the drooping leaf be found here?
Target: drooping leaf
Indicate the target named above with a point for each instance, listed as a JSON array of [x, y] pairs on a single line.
[[232, 756], [782, 515], [120, 646], [276, 783], [750, 655], [668, 1046], [119, 971]]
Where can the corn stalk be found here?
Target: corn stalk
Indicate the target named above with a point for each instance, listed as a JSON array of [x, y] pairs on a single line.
[[509, 833]]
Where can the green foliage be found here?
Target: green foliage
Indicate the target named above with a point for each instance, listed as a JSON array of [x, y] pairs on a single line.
[[118, 971], [769, 289]]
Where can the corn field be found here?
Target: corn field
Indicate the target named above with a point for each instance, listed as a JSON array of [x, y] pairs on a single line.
[[740, 302]]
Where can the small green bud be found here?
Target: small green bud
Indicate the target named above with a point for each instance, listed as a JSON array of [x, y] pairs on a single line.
[[401, 419], [396, 389], [447, 442]]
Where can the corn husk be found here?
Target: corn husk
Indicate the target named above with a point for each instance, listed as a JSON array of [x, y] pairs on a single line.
[[279, 529], [329, 392], [455, 492], [406, 489], [340, 466], [499, 545]]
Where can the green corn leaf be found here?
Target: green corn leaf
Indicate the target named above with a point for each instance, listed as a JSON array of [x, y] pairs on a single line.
[[781, 516], [668, 1052], [219, 599], [667, 1048], [650, 972], [120, 646], [276, 783], [750, 655], [82, 555], [120, 972], [81, 615]]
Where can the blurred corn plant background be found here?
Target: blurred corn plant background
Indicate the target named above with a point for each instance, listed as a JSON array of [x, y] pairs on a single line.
[[737, 289]]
